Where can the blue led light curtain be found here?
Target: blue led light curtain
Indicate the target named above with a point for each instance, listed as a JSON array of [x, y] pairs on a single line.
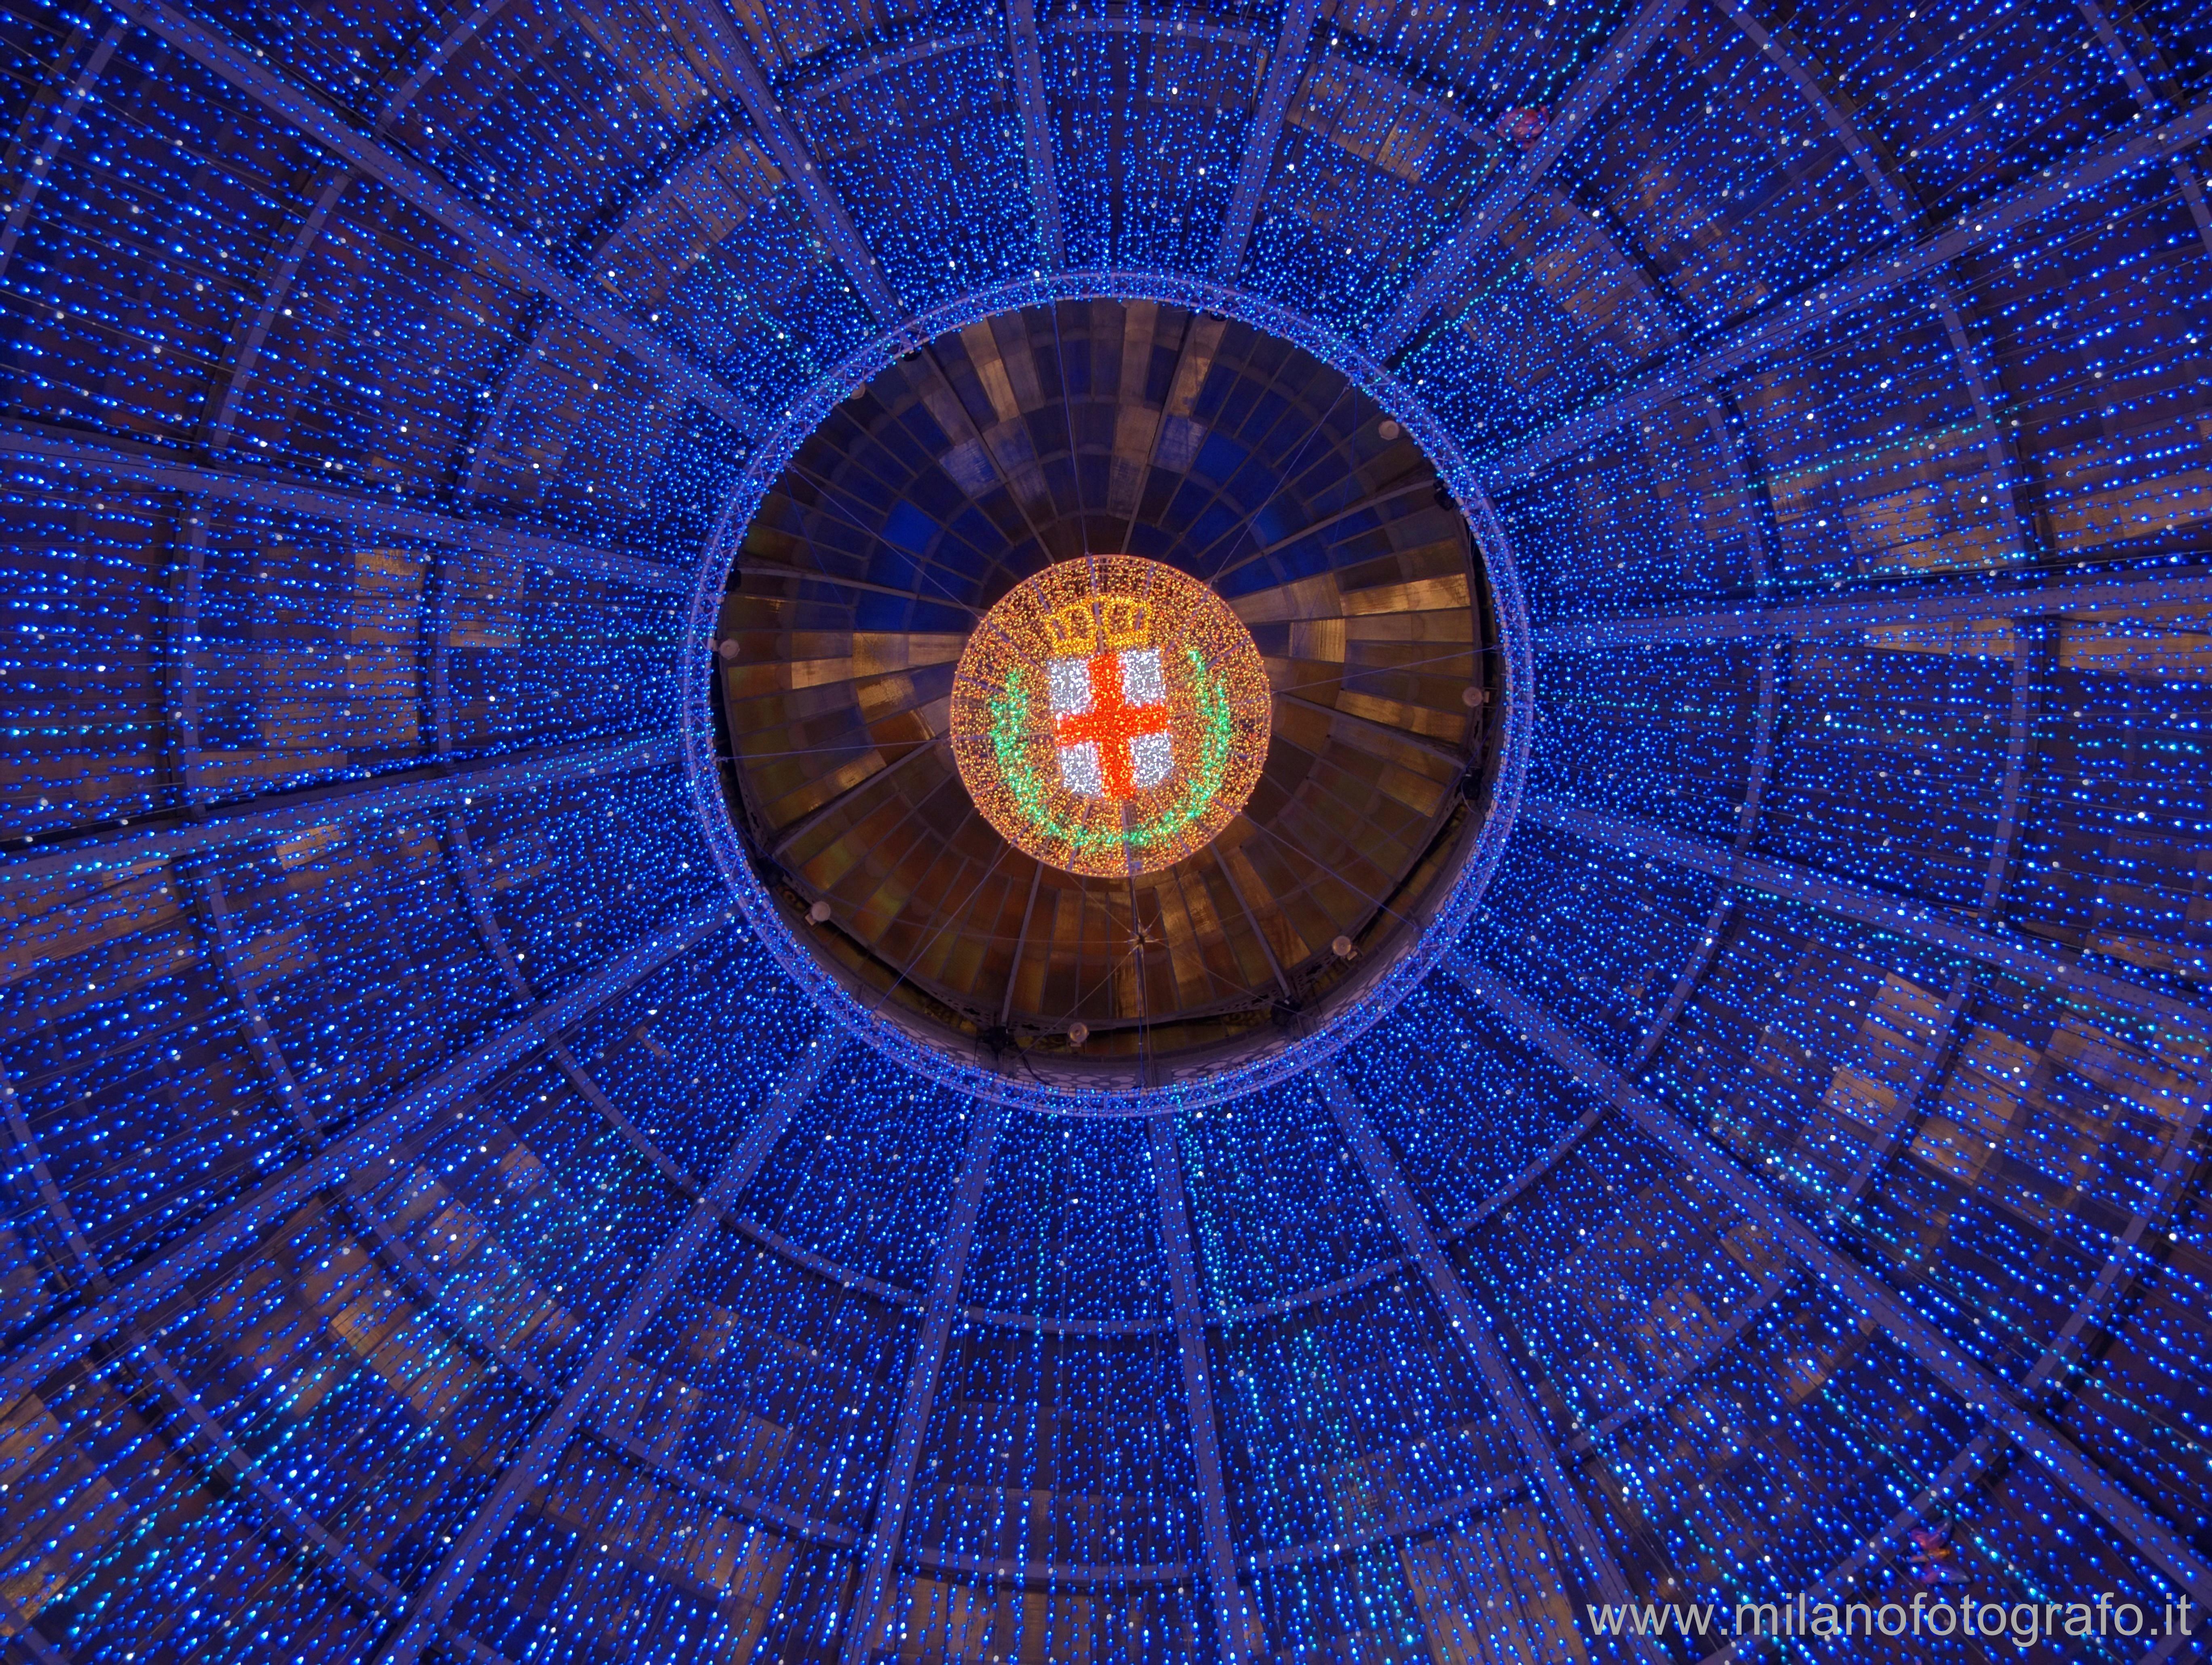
[[442, 1219]]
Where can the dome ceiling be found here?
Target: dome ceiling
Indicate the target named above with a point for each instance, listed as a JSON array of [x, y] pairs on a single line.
[[457, 1204], [1052, 435]]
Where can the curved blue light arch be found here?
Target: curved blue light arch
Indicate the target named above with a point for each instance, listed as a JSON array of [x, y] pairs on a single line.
[[776, 449]]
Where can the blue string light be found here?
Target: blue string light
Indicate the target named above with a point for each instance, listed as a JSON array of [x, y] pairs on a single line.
[[400, 1058]]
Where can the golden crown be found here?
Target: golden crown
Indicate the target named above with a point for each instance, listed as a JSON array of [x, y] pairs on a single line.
[[1122, 621]]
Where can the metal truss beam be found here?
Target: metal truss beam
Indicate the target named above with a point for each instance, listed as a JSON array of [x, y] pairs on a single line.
[[1615, 60], [201, 1429], [469, 873], [314, 1542], [2033, 651], [735, 1498], [415, 184], [723, 40], [1984, 1447], [416, 1279], [1888, 606], [895, 1499], [528, 1472], [1293, 46], [1952, 931], [57, 132], [1904, 1123], [1893, 187], [211, 906], [1772, 662], [1748, 478], [1435, 748], [1983, 1393], [245, 354], [1186, 1297], [1472, 1330], [1549, 1158], [416, 792], [1969, 1461], [1780, 324], [1654, 1396], [882, 777], [68, 454], [1036, 130], [144, 1288], [2133, 53], [434, 63]]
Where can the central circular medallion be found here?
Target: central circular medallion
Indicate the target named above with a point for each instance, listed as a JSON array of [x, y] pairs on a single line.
[[1110, 716]]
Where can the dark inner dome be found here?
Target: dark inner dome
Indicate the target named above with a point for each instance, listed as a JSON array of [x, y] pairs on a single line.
[[1042, 436]]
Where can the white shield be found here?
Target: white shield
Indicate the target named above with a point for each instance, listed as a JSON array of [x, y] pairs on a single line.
[[1152, 756]]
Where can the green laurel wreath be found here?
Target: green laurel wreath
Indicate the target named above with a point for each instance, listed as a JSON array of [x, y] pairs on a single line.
[[1217, 735]]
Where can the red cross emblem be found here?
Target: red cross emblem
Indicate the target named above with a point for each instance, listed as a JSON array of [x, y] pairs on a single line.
[[1111, 723]]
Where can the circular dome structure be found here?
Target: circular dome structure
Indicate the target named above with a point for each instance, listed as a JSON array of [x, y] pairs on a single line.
[[545, 1121], [883, 659]]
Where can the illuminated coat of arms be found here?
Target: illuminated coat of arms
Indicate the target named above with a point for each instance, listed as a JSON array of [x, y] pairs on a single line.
[[1109, 699], [1110, 715]]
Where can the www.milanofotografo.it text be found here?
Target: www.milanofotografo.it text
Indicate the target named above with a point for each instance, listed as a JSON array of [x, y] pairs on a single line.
[[2024, 1623]]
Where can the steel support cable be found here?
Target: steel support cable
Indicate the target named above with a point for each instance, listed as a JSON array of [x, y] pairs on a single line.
[[1425, 483], [838, 503]]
